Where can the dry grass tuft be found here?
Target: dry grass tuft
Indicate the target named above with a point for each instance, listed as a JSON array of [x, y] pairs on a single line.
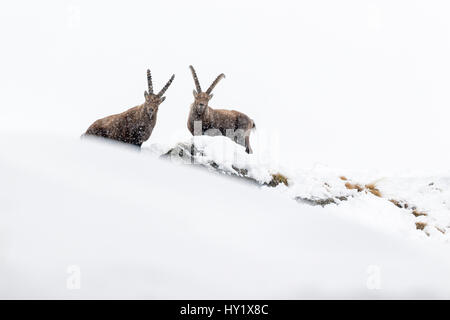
[[368, 187], [397, 203], [418, 213], [400, 204], [404, 205], [420, 225], [352, 186], [372, 189], [278, 178]]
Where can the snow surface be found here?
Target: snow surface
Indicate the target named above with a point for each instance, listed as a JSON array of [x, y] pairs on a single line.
[[427, 195], [141, 227]]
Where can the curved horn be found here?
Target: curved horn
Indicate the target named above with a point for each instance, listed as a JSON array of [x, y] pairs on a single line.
[[149, 81], [194, 75], [211, 87], [166, 86]]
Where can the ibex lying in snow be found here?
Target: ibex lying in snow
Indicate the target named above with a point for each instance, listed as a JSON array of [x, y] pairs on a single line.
[[206, 120], [135, 125]]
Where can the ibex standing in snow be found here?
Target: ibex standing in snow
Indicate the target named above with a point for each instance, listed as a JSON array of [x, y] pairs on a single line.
[[135, 125], [206, 120]]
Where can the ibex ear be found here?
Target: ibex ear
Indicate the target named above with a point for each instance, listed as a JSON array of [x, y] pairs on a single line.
[[162, 99], [147, 97], [210, 96], [195, 93]]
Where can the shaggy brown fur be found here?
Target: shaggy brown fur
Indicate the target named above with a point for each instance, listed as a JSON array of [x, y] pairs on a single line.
[[135, 125], [231, 123]]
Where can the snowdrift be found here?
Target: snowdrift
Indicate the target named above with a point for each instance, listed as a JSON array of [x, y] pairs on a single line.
[[398, 203], [136, 226]]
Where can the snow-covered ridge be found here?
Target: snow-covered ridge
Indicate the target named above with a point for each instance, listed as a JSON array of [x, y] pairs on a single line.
[[139, 227], [417, 206]]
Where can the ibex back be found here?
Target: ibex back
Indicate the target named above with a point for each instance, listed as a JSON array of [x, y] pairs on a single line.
[[135, 125], [206, 120]]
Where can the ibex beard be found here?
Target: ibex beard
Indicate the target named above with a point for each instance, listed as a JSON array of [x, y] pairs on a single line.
[[135, 125], [204, 120]]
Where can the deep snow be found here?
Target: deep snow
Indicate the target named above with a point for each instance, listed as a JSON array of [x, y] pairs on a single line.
[[141, 227], [402, 202]]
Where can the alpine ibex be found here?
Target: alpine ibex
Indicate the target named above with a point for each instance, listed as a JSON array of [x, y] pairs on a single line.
[[135, 125], [206, 120]]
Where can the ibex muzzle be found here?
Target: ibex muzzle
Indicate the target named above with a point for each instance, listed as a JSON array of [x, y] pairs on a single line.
[[135, 125], [206, 120]]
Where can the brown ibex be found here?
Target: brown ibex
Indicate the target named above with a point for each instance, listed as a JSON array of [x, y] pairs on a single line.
[[206, 120], [135, 125]]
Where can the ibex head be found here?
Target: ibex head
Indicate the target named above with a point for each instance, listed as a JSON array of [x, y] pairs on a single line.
[[152, 101], [202, 98]]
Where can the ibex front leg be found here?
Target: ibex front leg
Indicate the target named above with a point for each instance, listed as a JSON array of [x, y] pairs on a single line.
[[248, 149], [240, 137]]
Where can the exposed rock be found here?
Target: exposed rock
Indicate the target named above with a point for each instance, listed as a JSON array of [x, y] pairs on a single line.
[[189, 154], [319, 201], [418, 213]]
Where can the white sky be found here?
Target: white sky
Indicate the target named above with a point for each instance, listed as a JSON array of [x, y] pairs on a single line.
[[346, 83]]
